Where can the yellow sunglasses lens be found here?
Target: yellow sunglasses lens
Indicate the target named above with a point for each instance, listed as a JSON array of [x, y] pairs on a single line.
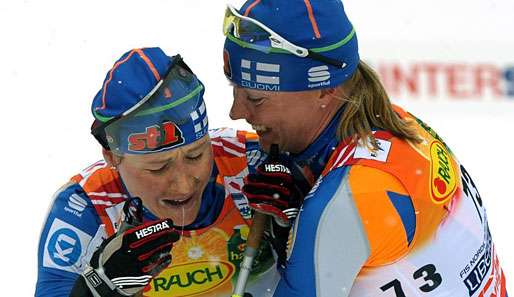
[[229, 22]]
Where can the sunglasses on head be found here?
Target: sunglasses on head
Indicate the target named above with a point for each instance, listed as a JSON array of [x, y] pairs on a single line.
[[259, 37]]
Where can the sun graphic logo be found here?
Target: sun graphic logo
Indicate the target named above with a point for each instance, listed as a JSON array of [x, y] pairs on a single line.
[[195, 252]]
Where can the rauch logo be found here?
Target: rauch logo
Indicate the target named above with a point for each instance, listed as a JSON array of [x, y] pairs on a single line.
[[443, 181], [192, 278]]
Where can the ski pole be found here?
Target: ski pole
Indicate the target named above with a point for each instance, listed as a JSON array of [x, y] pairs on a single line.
[[252, 247]]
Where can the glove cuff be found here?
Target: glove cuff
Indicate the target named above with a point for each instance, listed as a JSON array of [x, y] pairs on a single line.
[[99, 284]]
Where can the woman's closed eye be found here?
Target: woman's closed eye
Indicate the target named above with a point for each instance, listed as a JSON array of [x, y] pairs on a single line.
[[158, 169], [195, 157], [255, 100]]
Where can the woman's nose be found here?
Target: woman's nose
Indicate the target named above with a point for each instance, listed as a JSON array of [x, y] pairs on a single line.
[[238, 109], [182, 183]]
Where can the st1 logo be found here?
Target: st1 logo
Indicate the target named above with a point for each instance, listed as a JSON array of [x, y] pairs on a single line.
[[155, 137]]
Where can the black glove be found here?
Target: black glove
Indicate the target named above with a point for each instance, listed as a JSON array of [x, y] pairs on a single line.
[[273, 190], [126, 262]]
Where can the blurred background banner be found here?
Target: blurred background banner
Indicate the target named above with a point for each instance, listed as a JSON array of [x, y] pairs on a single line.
[[454, 80], [451, 63]]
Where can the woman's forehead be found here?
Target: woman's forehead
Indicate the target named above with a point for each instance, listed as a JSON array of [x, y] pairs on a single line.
[[162, 157], [254, 91]]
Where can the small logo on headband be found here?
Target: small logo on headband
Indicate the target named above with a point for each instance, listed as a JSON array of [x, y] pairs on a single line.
[[156, 138], [200, 121], [318, 76], [226, 64], [262, 76]]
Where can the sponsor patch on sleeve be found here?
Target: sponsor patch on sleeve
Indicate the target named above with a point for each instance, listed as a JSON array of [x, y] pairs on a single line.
[[64, 246]]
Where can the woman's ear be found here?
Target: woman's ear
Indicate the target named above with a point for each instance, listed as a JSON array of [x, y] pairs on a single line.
[[326, 96], [110, 158]]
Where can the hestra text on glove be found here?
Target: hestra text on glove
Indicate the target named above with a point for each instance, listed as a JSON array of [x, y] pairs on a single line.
[[127, 261]]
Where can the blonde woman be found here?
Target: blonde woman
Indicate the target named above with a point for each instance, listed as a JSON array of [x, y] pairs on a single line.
[[391, 211]]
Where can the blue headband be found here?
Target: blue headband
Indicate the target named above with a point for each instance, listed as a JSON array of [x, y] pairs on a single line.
[[149, 103], [321, 26]]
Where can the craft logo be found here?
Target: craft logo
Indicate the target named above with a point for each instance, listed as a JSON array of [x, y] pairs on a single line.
[[192, 278], [76, 205], [318, 76], [443, 177], [262, 76], [156, 138]]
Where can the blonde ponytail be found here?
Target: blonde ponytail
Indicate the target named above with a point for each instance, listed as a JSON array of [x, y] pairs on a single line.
[[368, 107]]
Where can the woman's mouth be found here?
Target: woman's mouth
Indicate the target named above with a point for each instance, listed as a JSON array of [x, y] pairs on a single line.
[[175, 203], [261, 129]]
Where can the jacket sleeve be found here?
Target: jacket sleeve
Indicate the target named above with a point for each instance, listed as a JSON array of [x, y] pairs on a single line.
[[70, 235], [351, 219]]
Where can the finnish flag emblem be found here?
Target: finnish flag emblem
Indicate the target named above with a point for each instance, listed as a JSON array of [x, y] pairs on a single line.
[[264, 73], [199, 118]]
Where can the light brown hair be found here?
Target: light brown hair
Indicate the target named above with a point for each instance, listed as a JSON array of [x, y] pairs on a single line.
[[368, 107]]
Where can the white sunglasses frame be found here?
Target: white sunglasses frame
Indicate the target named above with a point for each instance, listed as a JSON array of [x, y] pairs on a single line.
[[280, 42]]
